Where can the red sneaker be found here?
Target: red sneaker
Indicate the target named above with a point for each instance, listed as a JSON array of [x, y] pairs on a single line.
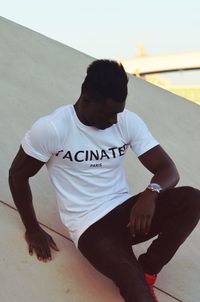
[[151, 279]]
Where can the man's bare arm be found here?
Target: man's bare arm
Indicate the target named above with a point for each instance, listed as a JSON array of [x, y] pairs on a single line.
[[159, 163], [164, 171], [22, 168]]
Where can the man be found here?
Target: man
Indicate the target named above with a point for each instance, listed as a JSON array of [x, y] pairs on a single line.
[[83, 147]]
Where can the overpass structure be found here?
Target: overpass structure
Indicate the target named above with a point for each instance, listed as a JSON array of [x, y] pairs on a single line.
[[143, 65]]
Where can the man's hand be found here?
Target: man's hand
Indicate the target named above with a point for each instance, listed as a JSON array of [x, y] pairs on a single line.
[[40, 242], [142, 214]]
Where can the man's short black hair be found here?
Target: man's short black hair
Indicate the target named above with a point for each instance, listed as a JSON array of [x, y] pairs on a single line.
[[105, 79]]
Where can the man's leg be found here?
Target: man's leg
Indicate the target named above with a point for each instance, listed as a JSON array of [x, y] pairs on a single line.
[[107, 246], [107, 243], [177, 213]]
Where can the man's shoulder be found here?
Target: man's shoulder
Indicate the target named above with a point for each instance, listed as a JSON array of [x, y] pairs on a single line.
[[56, 117], [129, 115], [60, 112], [53, 123]]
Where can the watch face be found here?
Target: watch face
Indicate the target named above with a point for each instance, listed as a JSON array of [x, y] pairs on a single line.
[[155, 187]]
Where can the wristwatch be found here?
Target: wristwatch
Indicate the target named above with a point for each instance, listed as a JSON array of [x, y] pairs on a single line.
[[154, 187]]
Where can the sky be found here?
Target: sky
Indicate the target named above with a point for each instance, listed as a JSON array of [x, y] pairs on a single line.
[[112, 28]]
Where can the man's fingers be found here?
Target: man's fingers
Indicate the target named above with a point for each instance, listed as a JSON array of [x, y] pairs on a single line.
[[140, 225], [135, 226], [148, 225], [41, 243], [30, 250], [38, 253], [46, 254], [145, 225], [43, 253], [53, 244], [132, 227]]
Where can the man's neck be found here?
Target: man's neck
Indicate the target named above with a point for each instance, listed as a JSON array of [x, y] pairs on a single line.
[[79, 112]]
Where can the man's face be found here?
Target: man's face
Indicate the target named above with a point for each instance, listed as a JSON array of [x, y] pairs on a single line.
[[102, 114]]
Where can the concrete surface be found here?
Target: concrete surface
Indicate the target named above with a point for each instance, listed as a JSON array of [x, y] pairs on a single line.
[[68, 277], [38, 75]]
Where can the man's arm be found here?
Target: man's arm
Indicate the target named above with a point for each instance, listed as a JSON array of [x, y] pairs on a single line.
[[158, 162], [22, 168]]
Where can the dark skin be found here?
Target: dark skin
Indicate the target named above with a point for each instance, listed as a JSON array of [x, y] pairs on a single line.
[[158, 162], [101, 116], [22, 168]]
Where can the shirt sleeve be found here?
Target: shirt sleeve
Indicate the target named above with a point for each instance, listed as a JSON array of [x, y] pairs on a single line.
[[140, 138], [41, 140]]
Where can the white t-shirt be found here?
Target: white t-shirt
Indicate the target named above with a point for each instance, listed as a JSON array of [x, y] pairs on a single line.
[[86, 164]]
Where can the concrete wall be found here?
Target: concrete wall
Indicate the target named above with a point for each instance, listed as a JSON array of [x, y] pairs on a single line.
[[39, 74]]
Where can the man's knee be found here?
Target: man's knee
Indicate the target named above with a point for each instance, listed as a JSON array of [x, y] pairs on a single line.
[[191, 193], [192, 196]]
